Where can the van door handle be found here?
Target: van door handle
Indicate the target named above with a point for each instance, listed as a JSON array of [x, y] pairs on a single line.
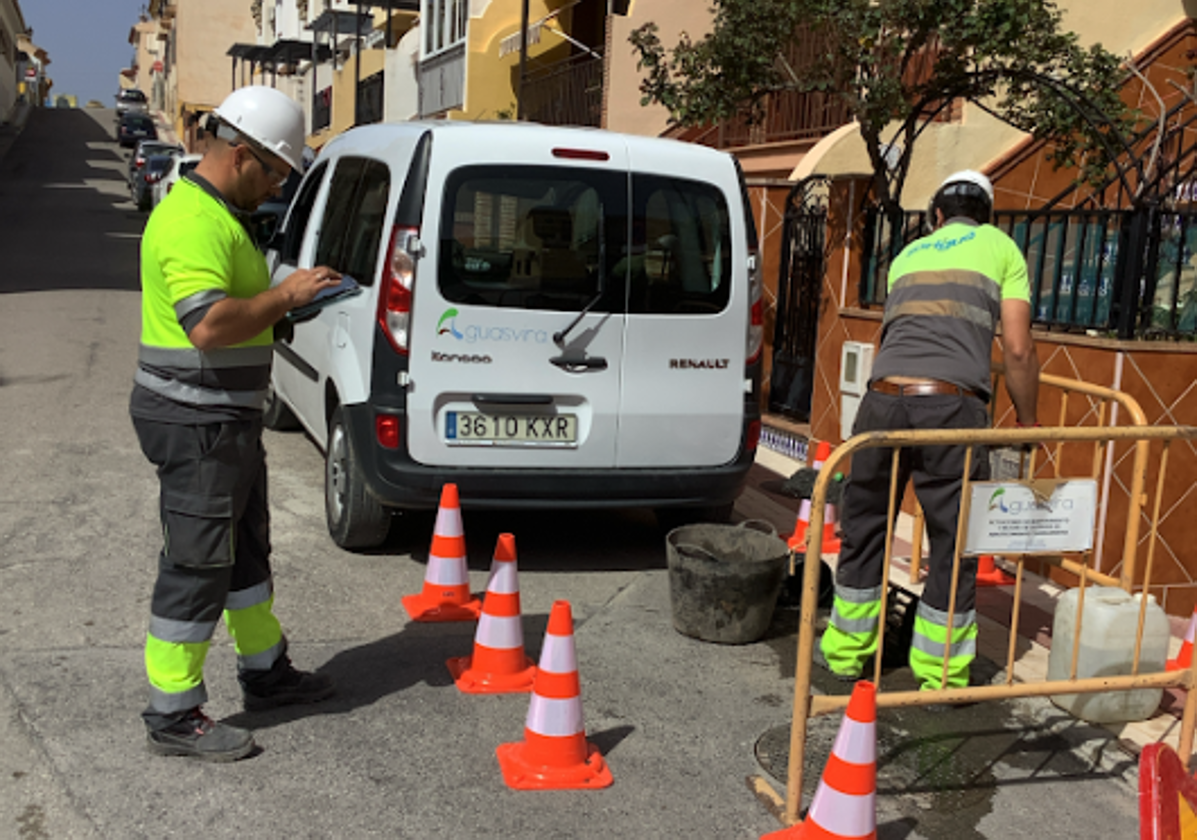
[[577, 364], [511, 399]]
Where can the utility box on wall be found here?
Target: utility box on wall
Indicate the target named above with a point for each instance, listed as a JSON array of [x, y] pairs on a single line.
[[856, 366]]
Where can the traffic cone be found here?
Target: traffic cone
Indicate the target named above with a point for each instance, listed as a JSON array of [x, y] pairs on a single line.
[[845, 805], [988, 574], [822, 453], [446, 594], [831, 543], [797, 540], [554, 754], [1184, 659], [498, 664]]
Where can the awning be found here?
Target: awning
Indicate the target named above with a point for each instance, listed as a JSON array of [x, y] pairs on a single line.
[[290, 51], [340, 22]]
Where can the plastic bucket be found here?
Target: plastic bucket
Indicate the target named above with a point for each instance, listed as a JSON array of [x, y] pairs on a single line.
[[724, 579]]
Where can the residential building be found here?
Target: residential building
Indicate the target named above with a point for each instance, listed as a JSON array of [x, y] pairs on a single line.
[[12, 68], [195, 36], [34, 82], [148, 70]]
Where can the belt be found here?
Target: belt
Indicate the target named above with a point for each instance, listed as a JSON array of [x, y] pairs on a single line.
[[919, 389]]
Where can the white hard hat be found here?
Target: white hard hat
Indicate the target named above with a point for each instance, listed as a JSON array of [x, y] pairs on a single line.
[[269, 118], [967, 176]]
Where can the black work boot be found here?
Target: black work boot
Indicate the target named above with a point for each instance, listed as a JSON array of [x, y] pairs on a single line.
[[282, 685], [198, 736]]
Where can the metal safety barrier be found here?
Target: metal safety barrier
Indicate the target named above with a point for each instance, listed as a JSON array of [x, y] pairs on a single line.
[[1106, 407], [1143, 437]]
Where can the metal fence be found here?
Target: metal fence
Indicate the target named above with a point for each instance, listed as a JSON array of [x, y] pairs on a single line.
[[1130, 273], [569, 92], [369, 99]]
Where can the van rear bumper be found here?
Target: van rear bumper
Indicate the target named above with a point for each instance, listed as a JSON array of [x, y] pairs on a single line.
[[398, 481]]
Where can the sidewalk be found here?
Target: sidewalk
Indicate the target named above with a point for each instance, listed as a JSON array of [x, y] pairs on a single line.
[[783, 452]]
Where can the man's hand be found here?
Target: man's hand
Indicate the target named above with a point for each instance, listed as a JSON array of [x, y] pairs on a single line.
[[234, 320], [302, 285]]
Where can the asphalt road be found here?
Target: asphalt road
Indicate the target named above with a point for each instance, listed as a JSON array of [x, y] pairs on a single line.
[[398, 752]]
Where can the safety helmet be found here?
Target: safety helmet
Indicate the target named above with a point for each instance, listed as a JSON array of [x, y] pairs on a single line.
[[967, 178], [269, 118]]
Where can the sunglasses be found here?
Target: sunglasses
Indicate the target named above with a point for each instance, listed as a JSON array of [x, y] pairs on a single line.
[[274, 176]]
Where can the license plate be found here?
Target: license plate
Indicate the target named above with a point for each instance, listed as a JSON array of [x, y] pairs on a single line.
[[475, 428]]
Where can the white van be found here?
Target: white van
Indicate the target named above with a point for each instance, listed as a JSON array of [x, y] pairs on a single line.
[[550, 317]]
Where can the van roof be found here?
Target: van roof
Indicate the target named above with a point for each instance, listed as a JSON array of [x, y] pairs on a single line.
[[575, 135]]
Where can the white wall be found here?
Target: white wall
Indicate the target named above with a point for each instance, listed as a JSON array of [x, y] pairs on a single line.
[[402, 90]]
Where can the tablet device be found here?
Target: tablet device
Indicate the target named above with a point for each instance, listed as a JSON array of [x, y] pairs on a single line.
[[348, 287]]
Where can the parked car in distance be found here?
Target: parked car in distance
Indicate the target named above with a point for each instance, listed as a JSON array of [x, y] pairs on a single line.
[[134, 127], [180, 166], [547, 317], [129, 102], [144, 149], [155, 167]]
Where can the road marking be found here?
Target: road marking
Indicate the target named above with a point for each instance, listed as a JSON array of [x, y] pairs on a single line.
[[119, 235]]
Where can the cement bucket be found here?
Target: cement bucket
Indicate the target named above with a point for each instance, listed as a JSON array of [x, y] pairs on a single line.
[[724, 579]]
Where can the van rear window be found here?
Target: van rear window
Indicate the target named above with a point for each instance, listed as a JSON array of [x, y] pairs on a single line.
[[533, 237], [681, 247], [551, 237]]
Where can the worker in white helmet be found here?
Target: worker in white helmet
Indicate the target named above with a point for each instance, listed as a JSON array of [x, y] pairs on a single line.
[[208, 319], [946, 294]]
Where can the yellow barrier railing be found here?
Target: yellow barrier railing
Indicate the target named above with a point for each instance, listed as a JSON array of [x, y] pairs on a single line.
[[807, 705]]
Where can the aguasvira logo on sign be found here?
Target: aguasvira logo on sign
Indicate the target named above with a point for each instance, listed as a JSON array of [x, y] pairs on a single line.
[[998, 501], [473, 333]]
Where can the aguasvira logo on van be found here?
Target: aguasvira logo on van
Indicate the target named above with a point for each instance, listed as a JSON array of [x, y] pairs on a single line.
[[449, 315], [473, 333]]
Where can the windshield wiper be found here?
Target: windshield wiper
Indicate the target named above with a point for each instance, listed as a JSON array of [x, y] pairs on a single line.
[[559, 337]]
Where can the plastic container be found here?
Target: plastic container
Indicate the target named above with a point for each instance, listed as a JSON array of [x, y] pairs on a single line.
[[724, 579], [1109, 621]]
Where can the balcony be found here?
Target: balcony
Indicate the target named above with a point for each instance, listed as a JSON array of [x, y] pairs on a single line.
[[569, 92], [788, 117]]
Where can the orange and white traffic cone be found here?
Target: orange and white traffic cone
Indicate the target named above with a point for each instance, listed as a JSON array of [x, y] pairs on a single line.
[[498, 664], [797, 540], [446, 594], [831, 543], [554, 754], [1184, 659], [845, 807], [822, 453], [988, 573]]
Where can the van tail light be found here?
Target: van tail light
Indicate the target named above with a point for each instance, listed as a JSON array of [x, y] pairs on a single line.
[[756, 311], [386, 430], [399, 276]]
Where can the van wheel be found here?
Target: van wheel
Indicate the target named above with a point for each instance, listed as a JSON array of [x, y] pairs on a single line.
[[355, 518], [276, 415], [670, 518]]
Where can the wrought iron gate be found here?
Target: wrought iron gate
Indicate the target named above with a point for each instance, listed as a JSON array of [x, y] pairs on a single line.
[[799, 284]]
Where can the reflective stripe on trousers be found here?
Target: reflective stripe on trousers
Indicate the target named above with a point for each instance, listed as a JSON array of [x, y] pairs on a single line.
[[930, 638], [850, 640], [175, 650]]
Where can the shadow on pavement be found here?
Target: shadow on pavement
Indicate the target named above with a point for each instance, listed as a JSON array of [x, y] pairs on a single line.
[[65, 218], [370, 672]]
